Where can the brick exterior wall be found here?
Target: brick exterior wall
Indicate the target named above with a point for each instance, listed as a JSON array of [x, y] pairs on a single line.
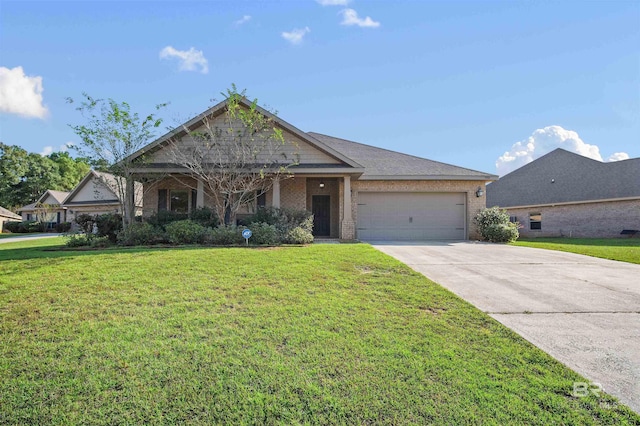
[[596, 220], [150, 195], [293, 193], [296, 193], [474, 204]]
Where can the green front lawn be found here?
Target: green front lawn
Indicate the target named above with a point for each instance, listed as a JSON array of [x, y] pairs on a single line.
[[622, 249], [325, 334]]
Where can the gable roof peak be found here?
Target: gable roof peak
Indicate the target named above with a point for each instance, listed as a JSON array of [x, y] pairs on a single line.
[[219, 109]]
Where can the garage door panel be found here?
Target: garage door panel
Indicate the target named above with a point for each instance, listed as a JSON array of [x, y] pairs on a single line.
[[411, 216]]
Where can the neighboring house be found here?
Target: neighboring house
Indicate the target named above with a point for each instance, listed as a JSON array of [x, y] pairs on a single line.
[[7, 216], [566, 194], [353, 190], [48, 208], [97, 193]]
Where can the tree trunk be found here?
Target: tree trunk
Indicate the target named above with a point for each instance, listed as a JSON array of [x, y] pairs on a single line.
[[130, 205]]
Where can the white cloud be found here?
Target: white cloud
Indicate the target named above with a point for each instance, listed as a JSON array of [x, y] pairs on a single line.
[[21, 94], [333, 2], [190, 60], [350, 17], [296, 35], [545, 140], [50, 149], [243, 20], [618, 156]]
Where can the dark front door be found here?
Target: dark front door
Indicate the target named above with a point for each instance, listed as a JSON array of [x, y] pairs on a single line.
[[320, 207]]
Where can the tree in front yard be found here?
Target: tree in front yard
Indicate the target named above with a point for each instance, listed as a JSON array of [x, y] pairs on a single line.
[[45, 214], [111, 133], [238, 157]]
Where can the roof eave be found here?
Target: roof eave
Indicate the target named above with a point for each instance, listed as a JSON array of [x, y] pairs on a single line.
[[292, 170], [568, 203], [483, 178]]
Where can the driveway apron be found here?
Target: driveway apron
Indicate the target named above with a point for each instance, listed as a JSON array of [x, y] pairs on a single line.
[[581, 310]]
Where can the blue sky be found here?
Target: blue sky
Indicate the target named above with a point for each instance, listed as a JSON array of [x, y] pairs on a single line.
[[473, 84]]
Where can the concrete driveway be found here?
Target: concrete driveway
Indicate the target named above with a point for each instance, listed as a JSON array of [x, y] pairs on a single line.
[[583, 311], [21, 237]]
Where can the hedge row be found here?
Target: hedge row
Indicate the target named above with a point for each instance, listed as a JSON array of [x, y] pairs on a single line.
[[269, 226], [33, 226]]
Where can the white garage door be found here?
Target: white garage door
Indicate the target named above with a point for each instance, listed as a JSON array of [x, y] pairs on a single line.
[[407, 216]]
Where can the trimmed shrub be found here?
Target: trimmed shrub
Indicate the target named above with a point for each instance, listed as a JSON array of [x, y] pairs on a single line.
[[33, 227], [23, 227], [108, 225], [77, 240], [185, 232], [101, 242], [205, 217], [285, 220], [86, 223], [63, 227], [139, 234], [224, 236], [164, 217], [13, 227], [501, 233], [264, 234], [299, 235], [494, 226]]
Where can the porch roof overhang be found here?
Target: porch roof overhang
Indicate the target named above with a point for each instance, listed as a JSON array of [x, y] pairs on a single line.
[[485, 178], [307, 169], [92, 203]]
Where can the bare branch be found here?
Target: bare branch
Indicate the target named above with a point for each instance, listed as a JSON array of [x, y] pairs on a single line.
[[237, 155]]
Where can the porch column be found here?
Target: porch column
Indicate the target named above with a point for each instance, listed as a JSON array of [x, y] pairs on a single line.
[[275, 202], [348, 231], [200, 195], [347, 199]]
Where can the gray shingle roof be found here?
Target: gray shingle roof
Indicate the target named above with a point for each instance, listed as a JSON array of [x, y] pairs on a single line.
[[562, 176], [7, 213], [385, 164]]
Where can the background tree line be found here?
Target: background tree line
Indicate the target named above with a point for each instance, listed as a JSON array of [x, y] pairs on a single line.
[[25, 176]]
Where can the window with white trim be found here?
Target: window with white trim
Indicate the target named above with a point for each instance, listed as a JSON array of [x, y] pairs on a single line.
[[535, 221]]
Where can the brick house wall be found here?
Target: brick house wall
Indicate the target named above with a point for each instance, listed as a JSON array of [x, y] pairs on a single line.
[[150, 194], [584, 220], [293, 193], [296, 192]]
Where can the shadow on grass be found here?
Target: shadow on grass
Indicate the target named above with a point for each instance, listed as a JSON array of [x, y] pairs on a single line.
[[53, 252], [61, 251]]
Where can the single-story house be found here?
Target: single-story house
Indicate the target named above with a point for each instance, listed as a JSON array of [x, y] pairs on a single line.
[[566, 194], [97, 193], [47, 208], [7, 216], [355, 191]]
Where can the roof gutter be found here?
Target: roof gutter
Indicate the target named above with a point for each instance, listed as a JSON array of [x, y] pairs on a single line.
[[569, 203], [483, 178]]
